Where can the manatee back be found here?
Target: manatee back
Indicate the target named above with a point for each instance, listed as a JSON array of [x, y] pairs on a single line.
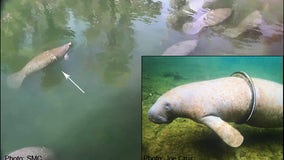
[[269, 104]]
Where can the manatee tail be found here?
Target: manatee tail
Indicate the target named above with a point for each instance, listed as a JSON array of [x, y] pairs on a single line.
[[15, 80]]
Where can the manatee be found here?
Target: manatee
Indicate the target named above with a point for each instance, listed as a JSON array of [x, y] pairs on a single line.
[[252, 21], [210, 18], [266, 17], [270, 30], [214, 103], [37, 63], [27, 153], [181, 48]]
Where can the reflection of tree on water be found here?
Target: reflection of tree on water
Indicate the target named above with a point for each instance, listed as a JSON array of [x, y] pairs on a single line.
[[117, 28], [177, 17], [30, 28], [58, 33], [116, 55], [57, 28], [33, 24]]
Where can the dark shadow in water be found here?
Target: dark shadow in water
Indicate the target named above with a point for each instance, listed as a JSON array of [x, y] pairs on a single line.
[[52, 76], [175, 75], [263, 136], [211, 146]]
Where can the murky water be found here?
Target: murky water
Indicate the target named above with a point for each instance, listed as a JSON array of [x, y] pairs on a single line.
[[184, 138], [109, 37]]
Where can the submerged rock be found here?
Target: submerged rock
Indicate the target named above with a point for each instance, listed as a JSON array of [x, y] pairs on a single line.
[[181, 48]]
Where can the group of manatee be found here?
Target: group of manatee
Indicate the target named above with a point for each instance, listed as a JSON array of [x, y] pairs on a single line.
[[205, 17]]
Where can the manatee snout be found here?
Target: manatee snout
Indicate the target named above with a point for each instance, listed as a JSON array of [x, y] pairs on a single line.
[[156, 118], [160, 114], [67, 46], [64, 49]]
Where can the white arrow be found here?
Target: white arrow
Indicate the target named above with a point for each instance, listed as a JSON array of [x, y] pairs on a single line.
[[67, 76]]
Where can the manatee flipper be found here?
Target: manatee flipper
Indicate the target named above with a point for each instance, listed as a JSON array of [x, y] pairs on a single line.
[[15, 80], [225, 131]]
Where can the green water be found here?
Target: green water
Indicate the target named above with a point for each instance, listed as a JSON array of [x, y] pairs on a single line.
[[49, 111], [185, 138], [109, 37]]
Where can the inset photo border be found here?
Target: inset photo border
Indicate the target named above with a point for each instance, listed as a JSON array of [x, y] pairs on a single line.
[[212, 107]]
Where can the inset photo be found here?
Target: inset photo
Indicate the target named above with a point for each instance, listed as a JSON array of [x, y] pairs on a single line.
[[212, 107]]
